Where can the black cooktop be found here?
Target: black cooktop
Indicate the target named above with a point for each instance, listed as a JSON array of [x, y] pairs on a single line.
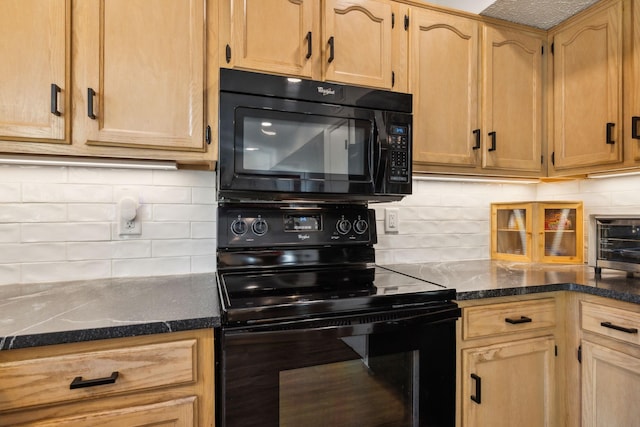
[[275, 296]]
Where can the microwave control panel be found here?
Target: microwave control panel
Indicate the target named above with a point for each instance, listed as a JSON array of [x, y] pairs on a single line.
[[399, 145]]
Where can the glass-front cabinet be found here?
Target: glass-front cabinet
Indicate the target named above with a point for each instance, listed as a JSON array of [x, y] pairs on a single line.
[[537, 232]]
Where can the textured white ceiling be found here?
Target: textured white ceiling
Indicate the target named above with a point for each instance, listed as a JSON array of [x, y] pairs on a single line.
[[536, 13]]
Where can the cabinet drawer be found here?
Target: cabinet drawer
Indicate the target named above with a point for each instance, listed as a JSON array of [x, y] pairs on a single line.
[[47, 380], [507, 318], [612, 322]]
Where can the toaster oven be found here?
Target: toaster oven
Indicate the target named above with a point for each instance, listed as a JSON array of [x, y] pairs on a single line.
[[617, 243]]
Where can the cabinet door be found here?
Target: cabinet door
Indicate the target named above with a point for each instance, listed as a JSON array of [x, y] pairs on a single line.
[[561, 233], [634, 81], [610, 387], [277, 36], [444, 83], [588, 91], [139, 73], [512, 100], [177, 413], [511, 227], [509, 384], [34, 89], [357, 42]]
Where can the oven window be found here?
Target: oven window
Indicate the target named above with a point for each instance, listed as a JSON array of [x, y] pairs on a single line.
[[371, 391], [293, 144]]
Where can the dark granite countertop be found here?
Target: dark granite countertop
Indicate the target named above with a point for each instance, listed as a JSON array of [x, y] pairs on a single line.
[[56, 313], [489, 278]]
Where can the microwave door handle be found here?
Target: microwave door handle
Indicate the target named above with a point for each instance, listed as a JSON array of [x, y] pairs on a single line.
[[381, 132]]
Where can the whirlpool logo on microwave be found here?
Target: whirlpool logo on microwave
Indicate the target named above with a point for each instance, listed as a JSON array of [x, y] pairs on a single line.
[[326, 91], [303, 237]]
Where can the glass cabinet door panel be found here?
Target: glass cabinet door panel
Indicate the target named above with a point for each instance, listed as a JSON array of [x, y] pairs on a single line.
[[560, 232]]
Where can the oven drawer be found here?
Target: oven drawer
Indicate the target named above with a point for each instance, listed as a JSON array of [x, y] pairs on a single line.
[[507, 318], [90, 374], [610, 322]]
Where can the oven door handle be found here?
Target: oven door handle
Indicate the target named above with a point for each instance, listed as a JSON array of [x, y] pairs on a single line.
[[348, 325]]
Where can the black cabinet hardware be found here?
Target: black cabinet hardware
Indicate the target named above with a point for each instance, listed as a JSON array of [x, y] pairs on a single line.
[[522, 319], [635, 121], [78, 382], [331, 49], [610, 133], [393, 78], [478, 396], [619, 328], [55, 90], [406, 22], [309, 45], [476, 132], [492, 135], [227, 53], [207, 135], [91, 94]]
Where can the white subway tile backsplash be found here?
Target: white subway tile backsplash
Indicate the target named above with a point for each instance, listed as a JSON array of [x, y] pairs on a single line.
[[65, 271], [17, 252], [10, 192], [110, 176], [150, 266], [204, 230], [10, 274], [32, 212], [166, 230], [66, 232], [9, 233], [46, 174], [60, 223], [185, 178], [163, 212], [82, 212], [66, 193]]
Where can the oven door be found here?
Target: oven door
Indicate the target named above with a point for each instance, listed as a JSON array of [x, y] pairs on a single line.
[[372, 370], [283, 149]]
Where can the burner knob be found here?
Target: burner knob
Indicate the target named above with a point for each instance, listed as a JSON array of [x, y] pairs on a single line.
[[343, 226], [260, 227], [239, 227], [360, 226]]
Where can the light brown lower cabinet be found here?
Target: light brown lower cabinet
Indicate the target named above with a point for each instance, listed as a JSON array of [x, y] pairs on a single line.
[[507, 362], [610, 368], [565, 359], [164, 379]]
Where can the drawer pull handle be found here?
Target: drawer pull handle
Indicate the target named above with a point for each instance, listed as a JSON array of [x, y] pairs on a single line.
[[522, 319], [78, 382], [478, 396], [619, 328]]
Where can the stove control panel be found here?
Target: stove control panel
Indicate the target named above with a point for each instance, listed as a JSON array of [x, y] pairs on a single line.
[[272, 226]]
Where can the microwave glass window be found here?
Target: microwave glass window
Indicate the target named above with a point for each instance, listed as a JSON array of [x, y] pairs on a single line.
[[284, 143]]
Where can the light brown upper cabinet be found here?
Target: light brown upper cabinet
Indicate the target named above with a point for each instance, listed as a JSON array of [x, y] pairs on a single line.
[[35, 77], [353, 45], [512, 101], [271, 36], [587, 92], [444, 79], [139, 73], [453, 131], [134, 85], [632, 71]]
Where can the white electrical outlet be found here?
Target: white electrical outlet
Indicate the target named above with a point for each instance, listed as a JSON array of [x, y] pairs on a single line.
[[130, 227], [129, 222], [391, 220]]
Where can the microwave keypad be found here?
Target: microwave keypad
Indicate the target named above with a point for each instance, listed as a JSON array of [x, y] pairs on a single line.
[[399, 144]]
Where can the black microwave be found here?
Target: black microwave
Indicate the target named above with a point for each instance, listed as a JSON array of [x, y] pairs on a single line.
[[291, 139]]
